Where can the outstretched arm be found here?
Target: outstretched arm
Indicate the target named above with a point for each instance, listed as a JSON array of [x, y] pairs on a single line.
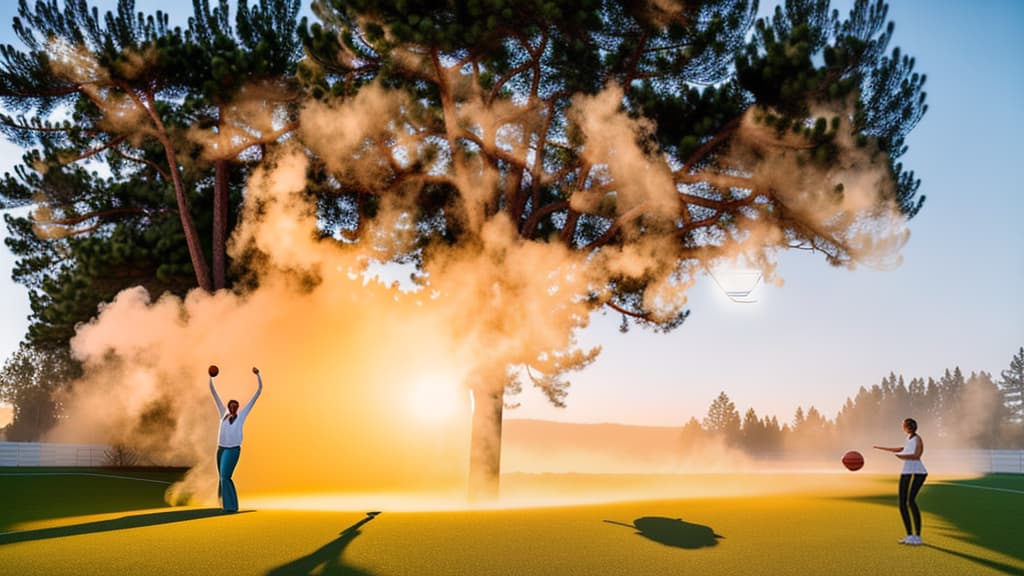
[[216, 398], [887, 449], [259, 389]]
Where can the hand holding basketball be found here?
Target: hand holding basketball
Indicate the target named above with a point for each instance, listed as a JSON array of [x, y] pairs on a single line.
[[214, 370]]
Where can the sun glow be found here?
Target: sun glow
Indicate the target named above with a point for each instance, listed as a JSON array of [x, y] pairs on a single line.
[[437, 398]]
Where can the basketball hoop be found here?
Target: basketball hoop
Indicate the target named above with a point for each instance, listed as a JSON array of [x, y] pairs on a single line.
[[738, 284]]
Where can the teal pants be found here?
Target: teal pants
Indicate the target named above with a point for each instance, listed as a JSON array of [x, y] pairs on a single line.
[[227, 459]]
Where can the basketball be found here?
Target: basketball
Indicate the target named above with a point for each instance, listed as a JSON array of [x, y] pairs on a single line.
[[214, 370], [853, 460]]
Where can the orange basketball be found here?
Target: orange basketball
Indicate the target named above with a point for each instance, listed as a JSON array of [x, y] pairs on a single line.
[[214, 370], [853, 460]]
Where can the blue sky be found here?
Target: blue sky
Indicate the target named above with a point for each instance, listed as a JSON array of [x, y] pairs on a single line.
[[957, 299]]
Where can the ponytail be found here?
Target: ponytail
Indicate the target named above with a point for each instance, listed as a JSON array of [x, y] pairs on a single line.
[[911, 425]]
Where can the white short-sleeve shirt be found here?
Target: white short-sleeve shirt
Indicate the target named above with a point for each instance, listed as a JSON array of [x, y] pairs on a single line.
[[912, 466]]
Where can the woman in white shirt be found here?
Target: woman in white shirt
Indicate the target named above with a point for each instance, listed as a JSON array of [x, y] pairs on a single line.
[[911, 479], [229, 440]]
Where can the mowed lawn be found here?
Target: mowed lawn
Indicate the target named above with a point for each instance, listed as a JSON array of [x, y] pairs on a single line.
[[784, 524]]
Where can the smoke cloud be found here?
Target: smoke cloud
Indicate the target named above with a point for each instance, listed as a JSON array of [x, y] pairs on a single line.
[[366, 382], [360, 392], [847, 202]]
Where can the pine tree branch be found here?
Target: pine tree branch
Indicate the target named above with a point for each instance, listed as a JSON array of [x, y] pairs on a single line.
[[533, 62], [150, 163], [723, 133], [630, 215], [253, 140], [531, 223], [621, 310], [103, 214], [630, 73], [90, 153]]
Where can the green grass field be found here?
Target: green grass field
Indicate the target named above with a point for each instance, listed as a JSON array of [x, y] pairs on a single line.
[[802, 524]]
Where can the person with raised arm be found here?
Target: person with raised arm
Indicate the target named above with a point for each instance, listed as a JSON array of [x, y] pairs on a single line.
[[229, 440]]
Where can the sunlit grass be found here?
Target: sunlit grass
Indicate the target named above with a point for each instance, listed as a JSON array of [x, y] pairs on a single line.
[[727, 524]]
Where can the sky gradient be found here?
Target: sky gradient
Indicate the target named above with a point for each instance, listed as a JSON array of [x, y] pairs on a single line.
[[955, 300]]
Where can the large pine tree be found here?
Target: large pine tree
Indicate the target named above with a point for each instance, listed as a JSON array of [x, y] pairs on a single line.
[[153, 101], [684, 131], [143, 136]]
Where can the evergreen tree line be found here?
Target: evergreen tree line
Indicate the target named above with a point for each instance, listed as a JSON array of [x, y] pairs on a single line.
[[955, 411]]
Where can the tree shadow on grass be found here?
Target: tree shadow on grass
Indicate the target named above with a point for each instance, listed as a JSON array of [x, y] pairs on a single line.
[[673, 532], [327, 557], [122, 523]]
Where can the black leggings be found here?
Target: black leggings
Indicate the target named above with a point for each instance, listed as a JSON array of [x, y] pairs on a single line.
[[910, 485]]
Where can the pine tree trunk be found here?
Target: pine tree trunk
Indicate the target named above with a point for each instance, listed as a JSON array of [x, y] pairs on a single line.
[[220, 223], [485, 445], [195, 248]]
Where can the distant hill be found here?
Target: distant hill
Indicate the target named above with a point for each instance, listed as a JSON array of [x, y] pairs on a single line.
[[543, 446]]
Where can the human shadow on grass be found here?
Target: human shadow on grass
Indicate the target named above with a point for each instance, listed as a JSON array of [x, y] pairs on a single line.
[[994, 565], [122, 523], [35, 494], [976, 517], [673, 532], [327, 557]]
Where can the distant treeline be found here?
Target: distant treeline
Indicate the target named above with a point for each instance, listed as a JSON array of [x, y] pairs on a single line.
[[953, 411]]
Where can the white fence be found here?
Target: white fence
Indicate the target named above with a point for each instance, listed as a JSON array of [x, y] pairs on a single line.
[[946, 461], [1011, 461], [983, 461], [90, 455], [43, 454]]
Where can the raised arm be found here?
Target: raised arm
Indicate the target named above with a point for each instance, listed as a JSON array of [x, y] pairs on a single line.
[[216, 398], [259, 389]]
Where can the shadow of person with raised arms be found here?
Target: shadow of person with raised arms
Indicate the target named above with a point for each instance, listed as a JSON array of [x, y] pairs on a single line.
[[327, 556], [122, 523]]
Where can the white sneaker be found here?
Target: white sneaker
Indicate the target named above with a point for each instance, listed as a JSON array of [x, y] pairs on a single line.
[[915, 541], [908, 539]]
